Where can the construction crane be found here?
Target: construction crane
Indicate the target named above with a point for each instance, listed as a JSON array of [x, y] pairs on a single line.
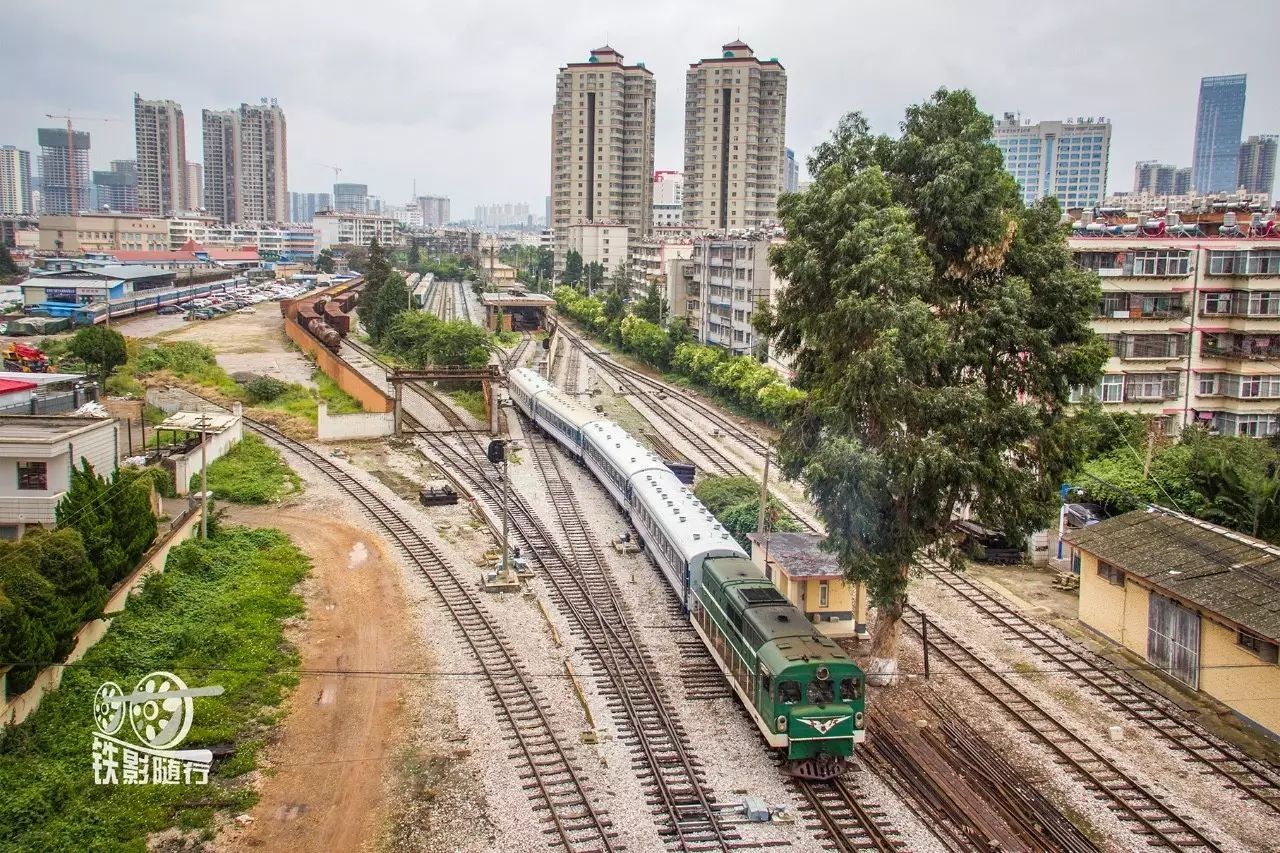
[[71, 154], [336, 170]]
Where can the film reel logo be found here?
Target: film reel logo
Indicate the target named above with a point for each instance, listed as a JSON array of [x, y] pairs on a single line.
[[160, 711]]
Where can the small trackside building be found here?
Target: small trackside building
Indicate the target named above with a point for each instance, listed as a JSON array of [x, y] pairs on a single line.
[[811, 579], [1199, 602], [37, 455]]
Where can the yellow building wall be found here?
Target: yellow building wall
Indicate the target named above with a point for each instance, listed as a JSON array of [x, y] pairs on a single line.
[[1234, 676], [1229, 673], [839, 596]]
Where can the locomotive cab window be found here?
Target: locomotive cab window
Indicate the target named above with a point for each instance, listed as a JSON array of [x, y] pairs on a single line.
[[766, 682], [822, 692], [788, 692], [850, 688]]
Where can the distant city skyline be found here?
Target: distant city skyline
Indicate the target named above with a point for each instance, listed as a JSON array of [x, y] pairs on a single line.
[[481, 135]]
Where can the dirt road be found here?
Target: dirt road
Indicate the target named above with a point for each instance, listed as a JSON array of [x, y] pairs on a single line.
[[326, 789]]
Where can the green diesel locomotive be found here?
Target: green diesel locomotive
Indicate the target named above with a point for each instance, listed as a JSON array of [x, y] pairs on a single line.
[[805, 694]]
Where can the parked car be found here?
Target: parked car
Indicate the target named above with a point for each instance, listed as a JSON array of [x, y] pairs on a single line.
[[169, 309]]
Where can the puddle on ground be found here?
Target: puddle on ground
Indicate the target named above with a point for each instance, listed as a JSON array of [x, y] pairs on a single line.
[[359, 555]]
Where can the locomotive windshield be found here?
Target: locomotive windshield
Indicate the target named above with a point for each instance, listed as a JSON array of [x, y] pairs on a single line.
[[850, 689], [788, 692], [821, 692]]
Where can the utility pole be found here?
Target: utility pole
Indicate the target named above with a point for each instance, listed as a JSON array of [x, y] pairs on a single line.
[[760, 516]]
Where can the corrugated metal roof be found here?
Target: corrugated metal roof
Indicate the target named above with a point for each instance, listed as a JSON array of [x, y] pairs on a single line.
[[214, 422], [1221, 571]]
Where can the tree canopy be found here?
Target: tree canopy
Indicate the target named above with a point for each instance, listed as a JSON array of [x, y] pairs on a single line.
[[102, 349], [324, 262], [938, 326], [8, 266], [572, 267]]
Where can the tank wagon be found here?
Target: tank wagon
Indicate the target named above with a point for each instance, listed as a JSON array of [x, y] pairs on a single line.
[[803, 691]]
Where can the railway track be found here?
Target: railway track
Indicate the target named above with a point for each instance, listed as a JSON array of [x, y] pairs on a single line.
[[1131, 802], [572, 368], [688, 813], [515, 358], [847, 823], [548, 773], [465, 312], [631, 382], [1252, 779]]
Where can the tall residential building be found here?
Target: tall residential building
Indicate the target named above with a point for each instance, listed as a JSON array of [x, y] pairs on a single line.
[[1063, 159], [730, 278], [15, 181], [161, 139], [433, 209], [246, 172], [1219, 118], [304, 206], [791, 177], [1257, 169], [351, 198], [1154, 178], [602, 133], [668, 198], [193, 192], [735, 118], [64, 170], [118, 189]]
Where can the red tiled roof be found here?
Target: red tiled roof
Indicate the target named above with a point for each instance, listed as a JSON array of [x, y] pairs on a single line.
[[8, 386]]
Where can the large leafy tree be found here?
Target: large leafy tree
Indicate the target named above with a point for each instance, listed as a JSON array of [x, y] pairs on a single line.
[[650, 308], [100, 348], [376, 271], [391, 299], [8, 266], [937, 325], [324, 262]]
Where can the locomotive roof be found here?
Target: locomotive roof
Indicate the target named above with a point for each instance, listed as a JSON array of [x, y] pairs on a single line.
[[690, 525], [626, 453]]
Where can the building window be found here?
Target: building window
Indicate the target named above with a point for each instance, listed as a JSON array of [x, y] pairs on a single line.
[[1264, 649], [33, 476], [824, 594], [1161, 262], [1228, 263], [1110, 573], [1112, 390], [1264, 262], [1217, 303], [9, 532]]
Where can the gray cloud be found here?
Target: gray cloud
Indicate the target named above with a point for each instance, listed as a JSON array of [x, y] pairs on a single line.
[[459, 95]]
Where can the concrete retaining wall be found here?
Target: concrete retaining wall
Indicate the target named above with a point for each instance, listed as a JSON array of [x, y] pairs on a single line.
[[343, 427], [22, 705], [371, 397]]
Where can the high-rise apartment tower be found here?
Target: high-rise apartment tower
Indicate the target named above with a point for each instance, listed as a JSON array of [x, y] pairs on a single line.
[[735, 117], [1219, 119], [602, 145], [246, 171], [15, 181], [161, 140]]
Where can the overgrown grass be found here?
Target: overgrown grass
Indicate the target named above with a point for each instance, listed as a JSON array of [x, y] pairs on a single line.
[[251, 473], [507, 339], [339, 401], [213, 617], [472, 401]]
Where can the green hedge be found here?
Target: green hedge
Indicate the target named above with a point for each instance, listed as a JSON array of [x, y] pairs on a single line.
[[250, 473]]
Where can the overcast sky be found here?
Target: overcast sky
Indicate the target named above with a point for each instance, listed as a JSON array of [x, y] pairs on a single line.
[[458, 95]]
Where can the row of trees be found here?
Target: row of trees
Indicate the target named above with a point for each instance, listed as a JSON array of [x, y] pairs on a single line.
[[53, 581], [741, 380], [735, 502]]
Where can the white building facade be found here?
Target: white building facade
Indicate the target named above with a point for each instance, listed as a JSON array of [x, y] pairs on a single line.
[[601, 243], [729, 278], [36, 457], [356, 229], [668, 199], [1064, 159]]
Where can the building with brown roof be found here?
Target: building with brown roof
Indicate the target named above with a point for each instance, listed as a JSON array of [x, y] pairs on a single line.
[[1200, 603], [811, 579]]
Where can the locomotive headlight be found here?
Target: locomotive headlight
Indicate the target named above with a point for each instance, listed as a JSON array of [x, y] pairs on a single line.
[[782, 723], [823, 673], [857, 720]]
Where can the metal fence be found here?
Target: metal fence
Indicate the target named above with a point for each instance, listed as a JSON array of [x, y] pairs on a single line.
[[54, 402]]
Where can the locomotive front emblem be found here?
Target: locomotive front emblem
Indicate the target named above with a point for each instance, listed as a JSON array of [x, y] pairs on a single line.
[[160, 711], [824, 725]]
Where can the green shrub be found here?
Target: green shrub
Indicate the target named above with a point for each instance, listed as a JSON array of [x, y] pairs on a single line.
[[213, 618], [250, 473], [265, 389], [735, 502]]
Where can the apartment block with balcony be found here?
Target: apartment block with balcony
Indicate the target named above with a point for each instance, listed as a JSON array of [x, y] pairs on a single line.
[[1193, 323], [730, 277], [353, 229], [651, 263]]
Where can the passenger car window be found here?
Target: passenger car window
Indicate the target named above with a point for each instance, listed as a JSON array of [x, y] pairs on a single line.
[[850, 688], [821, 692], [788, 692]]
